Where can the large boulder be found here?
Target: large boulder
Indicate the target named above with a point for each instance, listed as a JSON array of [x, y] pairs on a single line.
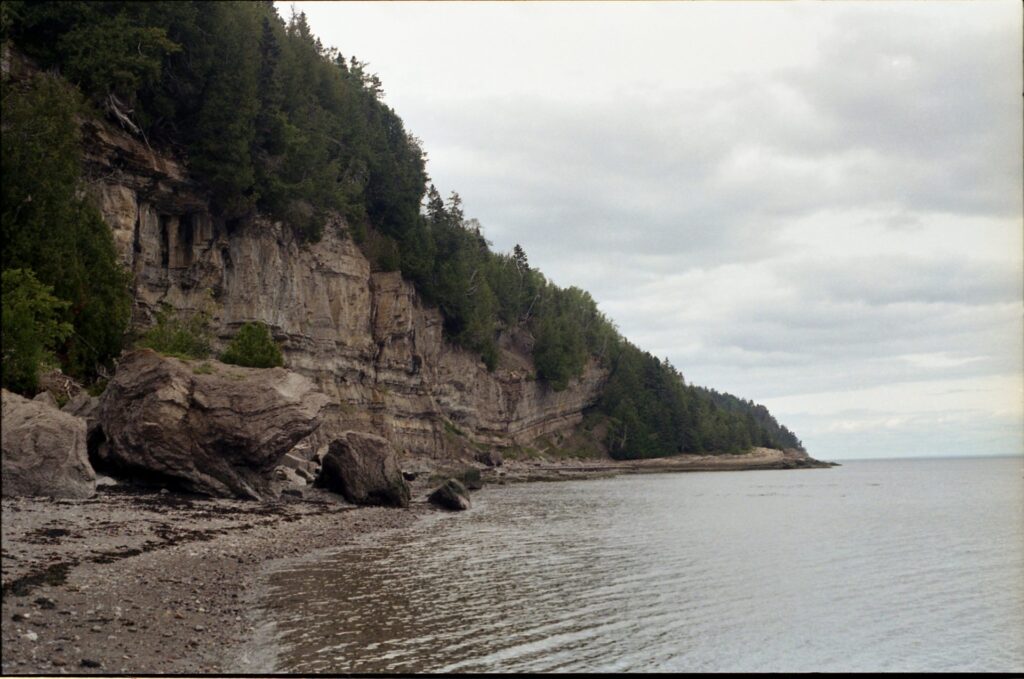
[[44, 451], [363, 468], [452, 495], [207, 427]]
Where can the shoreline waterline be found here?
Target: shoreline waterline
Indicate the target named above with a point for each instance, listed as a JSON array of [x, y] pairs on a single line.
[[143, 581]]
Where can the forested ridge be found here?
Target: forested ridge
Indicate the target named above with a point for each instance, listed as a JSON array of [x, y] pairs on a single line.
[[271, 121]]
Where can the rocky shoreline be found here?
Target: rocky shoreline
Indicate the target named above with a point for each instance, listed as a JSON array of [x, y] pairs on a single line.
[[138, 580], [146, 582]]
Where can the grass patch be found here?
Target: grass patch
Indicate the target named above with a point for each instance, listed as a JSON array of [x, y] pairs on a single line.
[[452, 429]]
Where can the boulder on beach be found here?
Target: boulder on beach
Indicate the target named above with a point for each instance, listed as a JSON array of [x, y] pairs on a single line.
[[363, 469], [472, 478], [452, 495], [218, 431], [491, 458], [44, 451]]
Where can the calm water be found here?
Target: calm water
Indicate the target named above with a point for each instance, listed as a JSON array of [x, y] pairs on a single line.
[[892, 565]]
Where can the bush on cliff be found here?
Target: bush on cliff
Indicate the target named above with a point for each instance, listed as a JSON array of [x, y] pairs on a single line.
[[253, 347], [49, 226], [32, 327], [180, 334]]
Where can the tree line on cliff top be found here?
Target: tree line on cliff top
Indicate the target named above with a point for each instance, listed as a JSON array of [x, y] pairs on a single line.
[[272, 121]]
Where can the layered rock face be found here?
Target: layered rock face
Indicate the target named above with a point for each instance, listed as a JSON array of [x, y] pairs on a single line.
[[218, 430], [364, 338], [44, 451]]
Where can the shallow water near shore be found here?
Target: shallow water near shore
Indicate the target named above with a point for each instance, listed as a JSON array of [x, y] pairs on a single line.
[[889, 565]]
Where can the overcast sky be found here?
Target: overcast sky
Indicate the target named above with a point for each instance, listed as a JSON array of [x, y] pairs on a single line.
[[817, 206]]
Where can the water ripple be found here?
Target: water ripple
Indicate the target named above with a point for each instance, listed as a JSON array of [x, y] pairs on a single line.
[[771, 571]]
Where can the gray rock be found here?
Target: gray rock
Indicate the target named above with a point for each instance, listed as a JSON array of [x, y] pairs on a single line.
[[46, 398], [87, 407], [491, 458], [303, 466], [219, 433], [286, 481], [44, 451], [452, 495], [472, 479], [363, 468]]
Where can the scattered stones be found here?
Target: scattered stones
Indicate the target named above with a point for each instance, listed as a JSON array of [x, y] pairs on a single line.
[[46, 603], [452, 496]]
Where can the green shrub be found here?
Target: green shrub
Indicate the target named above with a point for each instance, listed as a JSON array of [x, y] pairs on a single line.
[[253, 347], [179, 334], [32, 327], [50, 227], [202, 369]]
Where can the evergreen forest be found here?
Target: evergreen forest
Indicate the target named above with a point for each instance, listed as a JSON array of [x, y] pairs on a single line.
[[273, 122]]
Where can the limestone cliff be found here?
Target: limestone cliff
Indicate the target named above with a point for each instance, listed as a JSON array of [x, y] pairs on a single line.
[[365, 338]]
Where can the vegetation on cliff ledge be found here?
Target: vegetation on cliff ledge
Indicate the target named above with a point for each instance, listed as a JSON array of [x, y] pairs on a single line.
[[272, 121]]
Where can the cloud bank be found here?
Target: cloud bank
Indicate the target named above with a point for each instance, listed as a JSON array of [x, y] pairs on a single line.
[[814, 205]]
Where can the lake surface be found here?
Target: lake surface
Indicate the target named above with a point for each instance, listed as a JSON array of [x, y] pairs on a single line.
[[889, 565]]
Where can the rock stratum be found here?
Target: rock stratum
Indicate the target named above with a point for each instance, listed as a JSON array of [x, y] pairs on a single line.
[[364, 338]]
